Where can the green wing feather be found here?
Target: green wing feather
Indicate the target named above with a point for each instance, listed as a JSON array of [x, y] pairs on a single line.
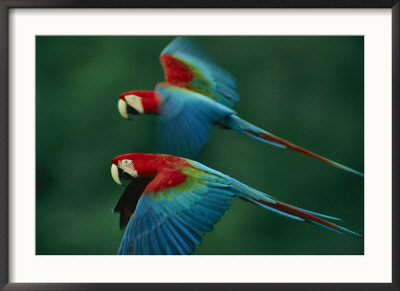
[[172, 221], [186, 65]]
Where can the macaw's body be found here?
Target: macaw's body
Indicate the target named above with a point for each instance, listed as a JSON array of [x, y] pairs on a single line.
[[196, 95], [170, 202]]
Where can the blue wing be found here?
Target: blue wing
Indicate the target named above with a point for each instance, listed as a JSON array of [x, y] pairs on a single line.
[[208, 78], [186, 120], [172, 221]]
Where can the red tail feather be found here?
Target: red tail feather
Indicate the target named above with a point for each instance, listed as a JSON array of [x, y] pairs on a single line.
[[293, 147], [277, 140], [299, 213]]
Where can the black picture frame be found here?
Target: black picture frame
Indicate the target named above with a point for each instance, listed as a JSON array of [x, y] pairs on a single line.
[[6, 5]]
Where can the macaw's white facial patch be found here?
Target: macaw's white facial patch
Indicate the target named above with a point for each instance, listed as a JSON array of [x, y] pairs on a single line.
[[135, 102], [122, 108], [127, 167], [115, 174]]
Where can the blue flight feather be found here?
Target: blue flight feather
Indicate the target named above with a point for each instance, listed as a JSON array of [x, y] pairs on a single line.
[[173, 220], [186, 120], [219, 84]]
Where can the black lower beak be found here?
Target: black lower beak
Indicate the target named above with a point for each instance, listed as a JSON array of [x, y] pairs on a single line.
[[131, 110], [124, 175]]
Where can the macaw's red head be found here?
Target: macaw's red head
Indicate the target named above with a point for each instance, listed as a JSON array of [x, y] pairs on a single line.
[[127, 167], [130, 166], [138, 102]]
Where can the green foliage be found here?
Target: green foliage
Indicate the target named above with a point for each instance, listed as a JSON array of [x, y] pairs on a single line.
[[308, 90]]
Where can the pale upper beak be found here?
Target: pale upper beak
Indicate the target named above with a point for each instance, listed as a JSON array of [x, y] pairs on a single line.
[[115, 174], [127, 174], [122, 108], [132, 104]]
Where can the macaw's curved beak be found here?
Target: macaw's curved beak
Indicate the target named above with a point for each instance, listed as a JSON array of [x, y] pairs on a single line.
[[125, 109], [115, 173], [120, 176]]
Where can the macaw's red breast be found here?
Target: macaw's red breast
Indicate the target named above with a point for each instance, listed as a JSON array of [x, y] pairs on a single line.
[[175, 70], [166, 178], [169, 172]]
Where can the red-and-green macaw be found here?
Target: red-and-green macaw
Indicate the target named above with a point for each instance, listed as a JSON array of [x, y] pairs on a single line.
[[196, 95], [170, 202]]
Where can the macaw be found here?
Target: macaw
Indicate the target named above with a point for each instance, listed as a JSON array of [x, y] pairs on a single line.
[[196, 95], [170, 202]]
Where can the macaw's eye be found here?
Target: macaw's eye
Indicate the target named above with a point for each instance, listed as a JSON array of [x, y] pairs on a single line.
[[126, 162]]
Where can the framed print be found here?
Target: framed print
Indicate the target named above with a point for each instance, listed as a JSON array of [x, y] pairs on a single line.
[[252, 113]]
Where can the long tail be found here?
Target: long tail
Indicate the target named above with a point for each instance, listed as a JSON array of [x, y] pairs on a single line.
[[247, 128], [305, 215], [271, 203]]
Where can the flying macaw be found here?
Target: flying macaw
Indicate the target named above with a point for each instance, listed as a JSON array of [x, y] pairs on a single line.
[[170, 202], [196, 95]]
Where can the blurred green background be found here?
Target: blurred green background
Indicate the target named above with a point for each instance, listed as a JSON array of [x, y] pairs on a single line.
[[308, 90]]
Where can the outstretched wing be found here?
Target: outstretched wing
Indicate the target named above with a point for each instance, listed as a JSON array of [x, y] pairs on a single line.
[[187, 66], [186, 120], [176, 208]]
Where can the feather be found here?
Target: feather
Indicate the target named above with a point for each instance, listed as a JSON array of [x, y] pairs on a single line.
[[185, 199], [238, 124], [186, 120], [172, 220], [186, 64]]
